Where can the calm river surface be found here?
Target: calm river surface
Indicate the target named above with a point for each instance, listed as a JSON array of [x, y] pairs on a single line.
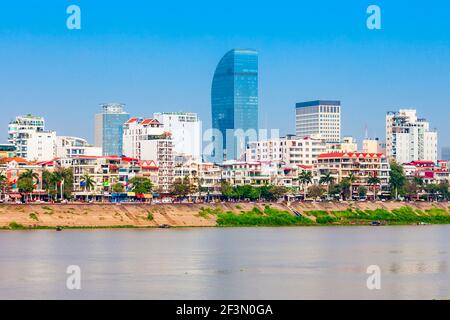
[[214, 263]]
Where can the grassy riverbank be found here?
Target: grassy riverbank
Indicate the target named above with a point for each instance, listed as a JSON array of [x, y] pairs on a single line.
[[275, 217], [108, 216]]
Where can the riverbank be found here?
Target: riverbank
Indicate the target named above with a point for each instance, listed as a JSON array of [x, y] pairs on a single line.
[[37, 216]]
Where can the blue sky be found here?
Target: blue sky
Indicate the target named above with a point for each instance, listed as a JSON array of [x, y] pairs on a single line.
[[157, 56]]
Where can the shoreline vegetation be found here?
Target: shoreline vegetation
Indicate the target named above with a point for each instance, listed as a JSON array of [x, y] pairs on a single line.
[[228, 214]]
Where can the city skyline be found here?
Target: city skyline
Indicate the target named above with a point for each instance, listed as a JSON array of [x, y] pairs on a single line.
[[404, 65]]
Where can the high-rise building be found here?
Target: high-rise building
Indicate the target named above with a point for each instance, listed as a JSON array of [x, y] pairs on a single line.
[[32, 141], [185, 128], [409, 138], [109, 128], [321, 118], [234, 103], [146, 139], [445, 153]]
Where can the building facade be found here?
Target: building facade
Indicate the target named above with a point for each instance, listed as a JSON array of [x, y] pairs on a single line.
[[109, 129], [185, 128], [321, 118], [373, 146], [146, 139], [31, 140], [234, 103], [360, 165], [409, 138], [68, 147], [288, 150]]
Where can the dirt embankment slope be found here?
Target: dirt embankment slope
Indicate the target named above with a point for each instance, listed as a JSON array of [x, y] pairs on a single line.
[[177, 215]]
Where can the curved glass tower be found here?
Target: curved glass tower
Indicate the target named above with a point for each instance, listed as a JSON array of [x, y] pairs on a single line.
[[234, 103]]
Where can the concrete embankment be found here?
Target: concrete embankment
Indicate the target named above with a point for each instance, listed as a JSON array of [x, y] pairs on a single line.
[[176, 215]]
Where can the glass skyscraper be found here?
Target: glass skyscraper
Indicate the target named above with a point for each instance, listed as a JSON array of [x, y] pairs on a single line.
[[109, 129], [234, 102]]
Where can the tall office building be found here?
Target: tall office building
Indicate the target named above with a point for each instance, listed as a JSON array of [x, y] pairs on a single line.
[[319, 118], [409, 138], [31, 140], [234, 103], [185, 128], [445, 153], [109, 128]]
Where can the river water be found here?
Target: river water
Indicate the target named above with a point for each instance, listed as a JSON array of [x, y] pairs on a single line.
[[228, 263]]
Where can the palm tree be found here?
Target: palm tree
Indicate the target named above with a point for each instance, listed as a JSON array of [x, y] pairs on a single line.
[[57, 177], [374, 181], [89, 183], [3, 184], [326, 179], [351, 179], [305, 177]]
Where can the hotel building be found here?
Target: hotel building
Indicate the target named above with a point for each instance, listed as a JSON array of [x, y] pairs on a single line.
[[234, 103], [320, 118], [359, 164]]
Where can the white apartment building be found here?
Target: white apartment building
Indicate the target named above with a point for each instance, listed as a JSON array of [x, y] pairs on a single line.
[[69, 147], [319, 117], [289, 150], [146, 139], [32, 142], [186, 132], [410, 138]]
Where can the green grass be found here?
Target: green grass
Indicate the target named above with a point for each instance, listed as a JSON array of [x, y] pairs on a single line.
[[15, 226], [150, 216], [256, 217], [403, 215], [34, 216]]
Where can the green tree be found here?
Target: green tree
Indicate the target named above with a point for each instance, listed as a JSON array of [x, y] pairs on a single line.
[[227, 190], [305, 178], [118, 188], [25, 185], [397, 178], [4, 184], [374, 182], [345, 187], [362, 192], [316, 191], [335, 190], [327, 179], [141, 185], [181, 188]]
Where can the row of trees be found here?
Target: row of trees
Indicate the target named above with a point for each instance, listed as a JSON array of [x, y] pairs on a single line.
[[415, 188]]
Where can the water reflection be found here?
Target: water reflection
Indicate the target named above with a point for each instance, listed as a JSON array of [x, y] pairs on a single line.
[[262, 263]]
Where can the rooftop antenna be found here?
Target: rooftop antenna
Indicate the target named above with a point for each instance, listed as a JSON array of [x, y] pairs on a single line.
[[366, 132]]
